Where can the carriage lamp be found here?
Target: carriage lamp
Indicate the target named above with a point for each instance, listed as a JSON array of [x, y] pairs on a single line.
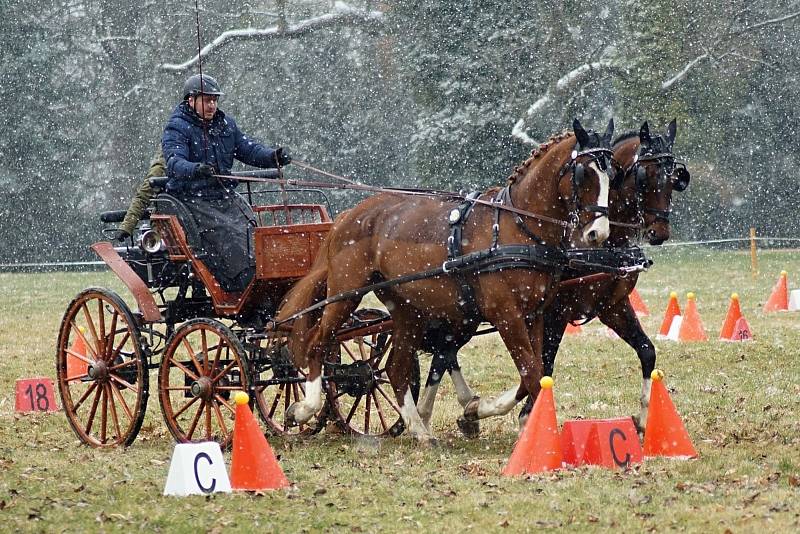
[[151, 242]]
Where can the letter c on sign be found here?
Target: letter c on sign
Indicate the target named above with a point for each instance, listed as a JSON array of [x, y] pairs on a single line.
[[209, 489], [627, 460]]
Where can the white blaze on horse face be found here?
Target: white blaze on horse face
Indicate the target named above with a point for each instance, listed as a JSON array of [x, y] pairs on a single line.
[[597, 232], [312, 404]]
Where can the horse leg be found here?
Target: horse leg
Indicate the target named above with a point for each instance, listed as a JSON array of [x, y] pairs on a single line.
[[621, 318], [333, 317], [555, 323], [407, 335], [428, 396], [526, 352]]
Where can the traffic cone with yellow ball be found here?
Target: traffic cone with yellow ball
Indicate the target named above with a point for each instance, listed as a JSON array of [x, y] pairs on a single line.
[[691, 325], [539, 446], [673, 310], [733, 315], [664, 434], [253, 464], [779, 298]]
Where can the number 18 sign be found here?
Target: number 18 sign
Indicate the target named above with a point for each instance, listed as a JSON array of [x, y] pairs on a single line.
[[35, 395]]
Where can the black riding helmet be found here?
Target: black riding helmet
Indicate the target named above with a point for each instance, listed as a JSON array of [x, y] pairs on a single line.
[[194, 86]]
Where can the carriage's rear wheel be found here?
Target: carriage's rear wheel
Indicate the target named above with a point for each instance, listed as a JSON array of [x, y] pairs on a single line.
[[101, 368], [278, 385], [203, 365], [359, 393]]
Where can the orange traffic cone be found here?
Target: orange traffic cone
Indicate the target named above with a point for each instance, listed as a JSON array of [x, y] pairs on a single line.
[[664, 434], [673, 310], [75, 366], [734, 313], [638, 304], [573, 329], [691, 326], [779, 299], [539, 446], [253, 464]]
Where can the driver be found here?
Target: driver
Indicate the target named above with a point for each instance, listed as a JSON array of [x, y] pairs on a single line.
[[199, 142]]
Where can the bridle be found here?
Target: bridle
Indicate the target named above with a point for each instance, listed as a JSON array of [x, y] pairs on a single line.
[[668, 168], [601, 156]]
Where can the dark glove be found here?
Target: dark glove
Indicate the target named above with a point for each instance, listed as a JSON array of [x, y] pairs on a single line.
[[121, 235], [282, 156], [203, 171]]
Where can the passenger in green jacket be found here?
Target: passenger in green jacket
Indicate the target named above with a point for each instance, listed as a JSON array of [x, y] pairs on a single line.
[[142, 199]]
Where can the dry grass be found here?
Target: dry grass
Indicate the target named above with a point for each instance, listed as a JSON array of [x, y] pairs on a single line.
[[739, 402]]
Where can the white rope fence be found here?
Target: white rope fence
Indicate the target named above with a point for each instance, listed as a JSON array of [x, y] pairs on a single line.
[[78, 265]]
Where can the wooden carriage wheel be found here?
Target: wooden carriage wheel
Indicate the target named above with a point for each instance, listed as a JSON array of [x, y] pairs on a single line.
[[359, 393], [203, 365], [101, 368], [279, 384]]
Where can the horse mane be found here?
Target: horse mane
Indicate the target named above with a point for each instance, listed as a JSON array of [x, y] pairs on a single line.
[[625, 137], [521, 169]]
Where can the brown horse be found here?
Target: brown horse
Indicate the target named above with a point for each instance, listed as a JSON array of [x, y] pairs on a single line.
[[641, 205], [564, 185]]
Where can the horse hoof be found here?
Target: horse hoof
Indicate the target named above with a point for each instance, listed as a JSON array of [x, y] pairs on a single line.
[[470, 429], [471, 409], [428, 442], [398, 428], [290, 417]]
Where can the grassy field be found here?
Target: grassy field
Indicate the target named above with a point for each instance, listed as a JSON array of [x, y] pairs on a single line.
[[739, 402]]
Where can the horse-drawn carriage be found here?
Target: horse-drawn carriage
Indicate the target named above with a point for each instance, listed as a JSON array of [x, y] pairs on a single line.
[[207, 343]]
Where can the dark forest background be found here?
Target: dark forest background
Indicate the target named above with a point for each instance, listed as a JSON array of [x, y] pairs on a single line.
[[448, 94]]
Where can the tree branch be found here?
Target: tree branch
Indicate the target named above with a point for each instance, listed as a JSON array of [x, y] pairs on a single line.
[[342, 14], [563, 86], [682, 74]]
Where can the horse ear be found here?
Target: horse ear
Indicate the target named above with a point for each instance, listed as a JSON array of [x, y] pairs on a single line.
[[644, 134], [609, 132], [580, 134], [672, 129]]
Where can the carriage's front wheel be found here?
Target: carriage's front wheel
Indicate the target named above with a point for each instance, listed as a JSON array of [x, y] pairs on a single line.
[[101, 368], [359, 393], [204, 364], [278, 385]]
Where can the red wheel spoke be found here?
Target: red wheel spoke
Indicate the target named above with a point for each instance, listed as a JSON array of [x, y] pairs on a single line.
[[190, 350], [122, 401], [85, 341], [113, 408], [93, 409], [92, 331], [392, 403], [225, 403], [118, 348], [101, 318], [366, 413], [224, 371], [218, 412], [183, 368], [113, 330], [196, 419], [208, 420], [276, 402], [122, 382], [380, 411], [204, 345], [80, 356], [353, 408], [126, 363], [185, 407], [85, 396], [104, 416], [177, 388], [217, 354]]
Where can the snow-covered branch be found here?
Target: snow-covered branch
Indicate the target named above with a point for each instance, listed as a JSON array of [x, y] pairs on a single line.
[[719, 43], [563, 86], [342, 14], [682, 74]]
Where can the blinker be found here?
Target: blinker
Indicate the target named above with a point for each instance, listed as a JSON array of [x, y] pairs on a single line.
[[577, 176], [680, 179]]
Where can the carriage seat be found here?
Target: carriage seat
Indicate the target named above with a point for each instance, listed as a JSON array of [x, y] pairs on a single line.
[[165, 204]]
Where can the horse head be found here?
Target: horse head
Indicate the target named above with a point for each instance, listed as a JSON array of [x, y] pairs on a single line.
[[651, 175], [586, 181]]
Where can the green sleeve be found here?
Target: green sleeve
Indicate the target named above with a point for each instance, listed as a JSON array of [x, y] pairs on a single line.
[[143, 194]]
